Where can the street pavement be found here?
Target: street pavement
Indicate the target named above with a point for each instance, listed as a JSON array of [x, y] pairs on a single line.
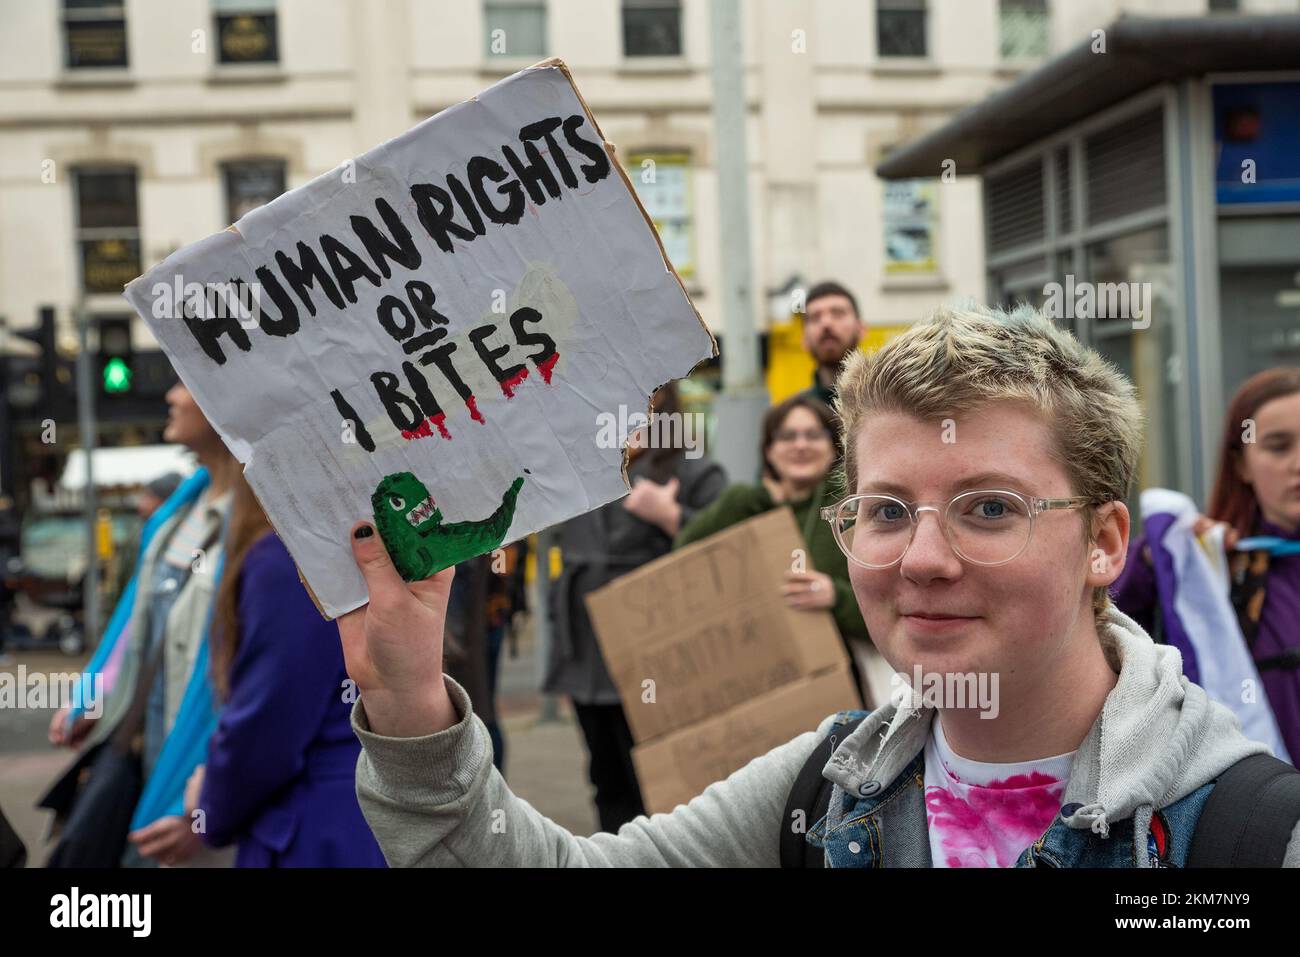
[[546, 762]]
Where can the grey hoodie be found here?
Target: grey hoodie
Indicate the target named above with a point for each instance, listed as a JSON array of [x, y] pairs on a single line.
[[437, 801]]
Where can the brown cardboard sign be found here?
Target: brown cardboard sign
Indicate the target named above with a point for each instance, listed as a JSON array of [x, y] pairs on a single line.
[[675, 768], [699, 631]]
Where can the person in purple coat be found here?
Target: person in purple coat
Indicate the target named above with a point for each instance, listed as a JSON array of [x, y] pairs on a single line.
[[1257, 495], [279, 776]]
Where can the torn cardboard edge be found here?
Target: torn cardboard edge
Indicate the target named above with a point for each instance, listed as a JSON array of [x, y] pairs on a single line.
[[612, 150]]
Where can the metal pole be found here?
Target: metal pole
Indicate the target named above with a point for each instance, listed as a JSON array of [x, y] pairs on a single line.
[[548, 707], [86, 426], [740, 406], [7, 480]]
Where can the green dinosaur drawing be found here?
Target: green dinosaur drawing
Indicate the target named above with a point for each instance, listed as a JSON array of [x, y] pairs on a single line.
[[415, 535]]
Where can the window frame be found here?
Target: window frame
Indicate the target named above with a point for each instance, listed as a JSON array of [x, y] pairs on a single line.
[[83, 235], [228, 166], [257, 9], [511, 56], [1006, 57], [670, 157], [674, 5], [108, 11], [903, 6]]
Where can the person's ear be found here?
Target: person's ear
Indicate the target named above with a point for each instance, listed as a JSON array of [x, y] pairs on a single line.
[[1108, 549]]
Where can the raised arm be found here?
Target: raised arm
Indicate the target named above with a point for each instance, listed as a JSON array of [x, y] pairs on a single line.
[[429, 791]]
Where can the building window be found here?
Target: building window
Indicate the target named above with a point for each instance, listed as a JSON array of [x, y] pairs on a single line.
[[515, 29], [910, 218], [108, 228], [1024, 29], [663, 184], [250, 184], [900, 28], [246, 31], [95, 33], [652, 28], [1225, 6]]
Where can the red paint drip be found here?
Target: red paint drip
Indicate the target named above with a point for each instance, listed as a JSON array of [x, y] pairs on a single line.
[[508, 387], [425, 429], [546, 367], [474, 413], [418, 432]]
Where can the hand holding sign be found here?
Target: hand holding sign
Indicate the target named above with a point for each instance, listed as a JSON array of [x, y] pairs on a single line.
[[393, 647]]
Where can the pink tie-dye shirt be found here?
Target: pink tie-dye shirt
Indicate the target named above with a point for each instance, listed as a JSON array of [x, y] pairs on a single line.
[[985, 815]]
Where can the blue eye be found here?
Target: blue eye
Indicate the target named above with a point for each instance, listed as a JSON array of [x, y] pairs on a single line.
[[886, 512], [993, 509]]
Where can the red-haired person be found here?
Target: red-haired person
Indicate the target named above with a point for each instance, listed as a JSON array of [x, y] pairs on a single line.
[[1257, 495]]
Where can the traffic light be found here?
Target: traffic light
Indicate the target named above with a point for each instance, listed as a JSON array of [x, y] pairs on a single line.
[[115, 354], [42, 334], [117, 375]]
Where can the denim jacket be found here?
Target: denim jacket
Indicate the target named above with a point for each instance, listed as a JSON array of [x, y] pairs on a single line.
[[888, 828]]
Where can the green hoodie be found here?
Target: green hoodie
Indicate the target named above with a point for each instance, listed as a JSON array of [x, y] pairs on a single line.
[[745, 501]]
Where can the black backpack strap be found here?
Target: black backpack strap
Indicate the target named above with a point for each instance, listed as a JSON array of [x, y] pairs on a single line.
[[1249, 816], [811, 793]]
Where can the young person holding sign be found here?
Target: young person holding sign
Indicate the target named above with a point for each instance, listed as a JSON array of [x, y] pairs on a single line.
[[982, 532]]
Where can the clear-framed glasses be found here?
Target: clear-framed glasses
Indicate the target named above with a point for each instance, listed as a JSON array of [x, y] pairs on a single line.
[[811, 436], [984, 526]]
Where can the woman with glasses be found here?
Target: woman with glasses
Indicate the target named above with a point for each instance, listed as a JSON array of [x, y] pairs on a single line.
[[988, 456], [800, 448]]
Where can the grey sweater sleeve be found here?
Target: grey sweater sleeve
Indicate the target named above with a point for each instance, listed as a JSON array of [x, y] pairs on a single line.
[[437, 801]]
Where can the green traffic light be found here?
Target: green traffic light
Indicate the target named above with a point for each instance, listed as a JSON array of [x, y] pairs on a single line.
[[117, 375]]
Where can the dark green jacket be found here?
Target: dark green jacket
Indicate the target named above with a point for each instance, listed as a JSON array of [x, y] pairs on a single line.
[[740, 502]]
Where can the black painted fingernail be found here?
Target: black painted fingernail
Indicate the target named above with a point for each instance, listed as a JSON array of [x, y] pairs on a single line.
[[365, 531]]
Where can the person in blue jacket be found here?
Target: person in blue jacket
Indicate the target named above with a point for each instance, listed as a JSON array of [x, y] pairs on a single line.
[[278, 781]]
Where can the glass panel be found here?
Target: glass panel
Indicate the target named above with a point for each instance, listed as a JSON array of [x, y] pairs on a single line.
[[900, 28], [1130, 318], [106, 199], [652, 28], [109, 264], [95, 43], [909, 217], [252, 184], [663, 184], [1260, 321], [1024, 29], [515, 29], [247, 38], [1020, 283]]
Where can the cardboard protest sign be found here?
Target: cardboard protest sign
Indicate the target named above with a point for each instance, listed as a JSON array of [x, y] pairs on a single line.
[[674, 768], [707, 627], [428, 335]]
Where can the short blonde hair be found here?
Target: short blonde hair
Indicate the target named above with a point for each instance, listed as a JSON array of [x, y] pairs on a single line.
[[966, 356]]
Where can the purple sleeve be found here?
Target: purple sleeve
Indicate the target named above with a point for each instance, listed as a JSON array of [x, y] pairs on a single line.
[[1134, 592], [285, 677]]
